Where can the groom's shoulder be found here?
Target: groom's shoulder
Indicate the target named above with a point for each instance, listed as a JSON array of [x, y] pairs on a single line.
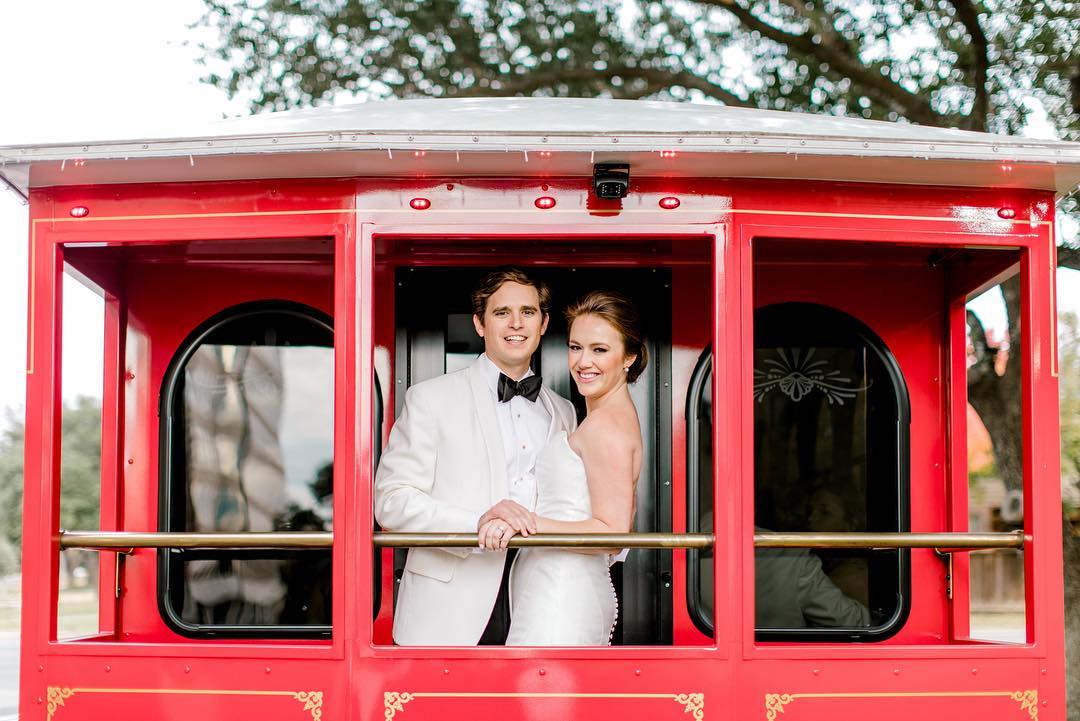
[[448, 383]]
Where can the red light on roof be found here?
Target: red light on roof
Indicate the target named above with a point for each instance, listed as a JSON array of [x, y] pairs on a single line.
[[1006, 168], [79, 211], [544, 153], [667, 153], [419, 203], [544, 202], [669, 203], [1007, 213], [419, 153]]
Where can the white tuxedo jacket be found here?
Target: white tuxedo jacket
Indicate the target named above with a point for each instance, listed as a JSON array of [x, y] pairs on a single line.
[[442, 468]]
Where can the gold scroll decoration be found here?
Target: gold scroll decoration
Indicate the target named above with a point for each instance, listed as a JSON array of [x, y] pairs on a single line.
[[394, 701], [1028, 700], [311, 700], [55, 697]]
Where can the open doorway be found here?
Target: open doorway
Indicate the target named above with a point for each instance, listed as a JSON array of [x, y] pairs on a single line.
[[435, 338]]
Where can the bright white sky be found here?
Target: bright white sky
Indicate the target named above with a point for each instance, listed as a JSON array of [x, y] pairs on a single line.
[[75, 68]]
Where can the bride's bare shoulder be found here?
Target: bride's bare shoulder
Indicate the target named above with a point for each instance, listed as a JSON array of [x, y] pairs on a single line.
[[610, 429]]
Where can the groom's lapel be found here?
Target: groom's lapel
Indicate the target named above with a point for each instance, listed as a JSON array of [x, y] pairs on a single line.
[[489, 431]]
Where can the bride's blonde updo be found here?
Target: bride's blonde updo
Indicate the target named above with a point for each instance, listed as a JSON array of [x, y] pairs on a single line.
[[620, 314]]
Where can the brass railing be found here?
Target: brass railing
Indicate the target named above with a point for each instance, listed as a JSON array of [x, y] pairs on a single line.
[[126, 541]]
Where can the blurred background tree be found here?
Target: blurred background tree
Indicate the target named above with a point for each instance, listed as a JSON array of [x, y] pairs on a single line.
[[11, 484], [80, 474], [975, 65], [1069, 391]]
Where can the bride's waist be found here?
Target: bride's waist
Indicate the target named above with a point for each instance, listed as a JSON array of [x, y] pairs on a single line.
[[562, 513], [570, 556]]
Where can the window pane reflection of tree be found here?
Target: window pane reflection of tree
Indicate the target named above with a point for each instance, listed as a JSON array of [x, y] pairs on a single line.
[[259, 424]]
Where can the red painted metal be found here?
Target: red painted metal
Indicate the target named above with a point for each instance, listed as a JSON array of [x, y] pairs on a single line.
[[170, 256]]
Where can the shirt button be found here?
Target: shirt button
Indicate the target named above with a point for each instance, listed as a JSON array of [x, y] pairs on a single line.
[[523, 446]]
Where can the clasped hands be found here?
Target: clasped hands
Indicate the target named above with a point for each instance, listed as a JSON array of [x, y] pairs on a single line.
[[502, 522]]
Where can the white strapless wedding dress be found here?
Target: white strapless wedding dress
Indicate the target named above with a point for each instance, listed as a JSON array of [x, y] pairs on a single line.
[[560, 597]]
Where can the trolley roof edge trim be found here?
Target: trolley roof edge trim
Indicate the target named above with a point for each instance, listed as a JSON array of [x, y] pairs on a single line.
[[611, 129]]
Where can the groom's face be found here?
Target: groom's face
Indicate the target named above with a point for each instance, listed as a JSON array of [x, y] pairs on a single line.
[[512, 326]]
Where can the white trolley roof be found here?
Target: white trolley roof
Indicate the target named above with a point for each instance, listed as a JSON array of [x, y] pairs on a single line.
[[549, 137]]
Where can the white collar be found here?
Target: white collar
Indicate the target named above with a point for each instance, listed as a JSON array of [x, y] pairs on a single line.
[[492, 373]]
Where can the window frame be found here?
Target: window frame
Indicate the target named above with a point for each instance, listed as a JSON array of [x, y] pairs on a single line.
[[846, 324], [168, 494]]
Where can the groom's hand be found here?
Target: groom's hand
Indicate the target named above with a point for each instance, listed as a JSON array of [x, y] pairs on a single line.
[[495, 535], [516, 516]]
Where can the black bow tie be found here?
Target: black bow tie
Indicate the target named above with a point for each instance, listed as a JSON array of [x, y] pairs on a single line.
[[526, 387]]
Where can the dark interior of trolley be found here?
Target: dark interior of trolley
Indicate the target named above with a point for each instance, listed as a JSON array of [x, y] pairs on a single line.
[[848, 407]]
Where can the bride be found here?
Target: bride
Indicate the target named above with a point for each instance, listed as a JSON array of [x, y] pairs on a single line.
[[585, 482]]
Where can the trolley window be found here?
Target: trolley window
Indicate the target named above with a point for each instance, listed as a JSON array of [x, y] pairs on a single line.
[[247, 445], [831, 455]]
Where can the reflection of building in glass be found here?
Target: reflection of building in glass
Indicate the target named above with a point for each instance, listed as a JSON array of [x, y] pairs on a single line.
[[233, 397]]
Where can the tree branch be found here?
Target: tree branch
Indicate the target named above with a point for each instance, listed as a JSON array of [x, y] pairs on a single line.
[[985, 355], [1074, 90], [656, 78], [833, 50], [1068, 256], [969, 17]]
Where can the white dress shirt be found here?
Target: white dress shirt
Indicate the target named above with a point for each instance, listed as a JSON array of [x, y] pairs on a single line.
[[523, 425]]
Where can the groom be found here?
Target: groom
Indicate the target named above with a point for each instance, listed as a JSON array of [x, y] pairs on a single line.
[[461, 458]]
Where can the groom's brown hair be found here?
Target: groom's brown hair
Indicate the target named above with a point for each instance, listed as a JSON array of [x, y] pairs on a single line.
[[494, 280]]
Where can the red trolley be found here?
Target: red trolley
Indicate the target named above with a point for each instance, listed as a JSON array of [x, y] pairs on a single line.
[[273, 284]]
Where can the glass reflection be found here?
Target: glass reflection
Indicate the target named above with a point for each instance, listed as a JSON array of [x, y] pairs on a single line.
[[824, 426], [258, 425]]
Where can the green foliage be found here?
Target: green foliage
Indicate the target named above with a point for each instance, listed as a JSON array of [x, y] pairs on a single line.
[[80, 465], [1069, 393], [962, 63], [80, 472], [11, 481]]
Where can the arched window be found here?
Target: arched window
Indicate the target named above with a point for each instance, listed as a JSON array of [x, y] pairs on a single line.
[[247, 445], [831, 417]]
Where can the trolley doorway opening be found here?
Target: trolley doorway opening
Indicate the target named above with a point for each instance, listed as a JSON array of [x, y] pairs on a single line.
[[670, 283]]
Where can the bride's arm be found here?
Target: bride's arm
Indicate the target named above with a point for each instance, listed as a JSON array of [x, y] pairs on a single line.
[[608, 456]]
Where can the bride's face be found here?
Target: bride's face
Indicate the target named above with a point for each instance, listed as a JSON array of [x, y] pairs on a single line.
[[597, 356]]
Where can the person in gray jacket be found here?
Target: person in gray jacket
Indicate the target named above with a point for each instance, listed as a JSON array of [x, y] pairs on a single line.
[[792, 591]]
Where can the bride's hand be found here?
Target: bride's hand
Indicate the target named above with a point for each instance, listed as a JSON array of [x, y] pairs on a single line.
[[515, 515], [495, 535]]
